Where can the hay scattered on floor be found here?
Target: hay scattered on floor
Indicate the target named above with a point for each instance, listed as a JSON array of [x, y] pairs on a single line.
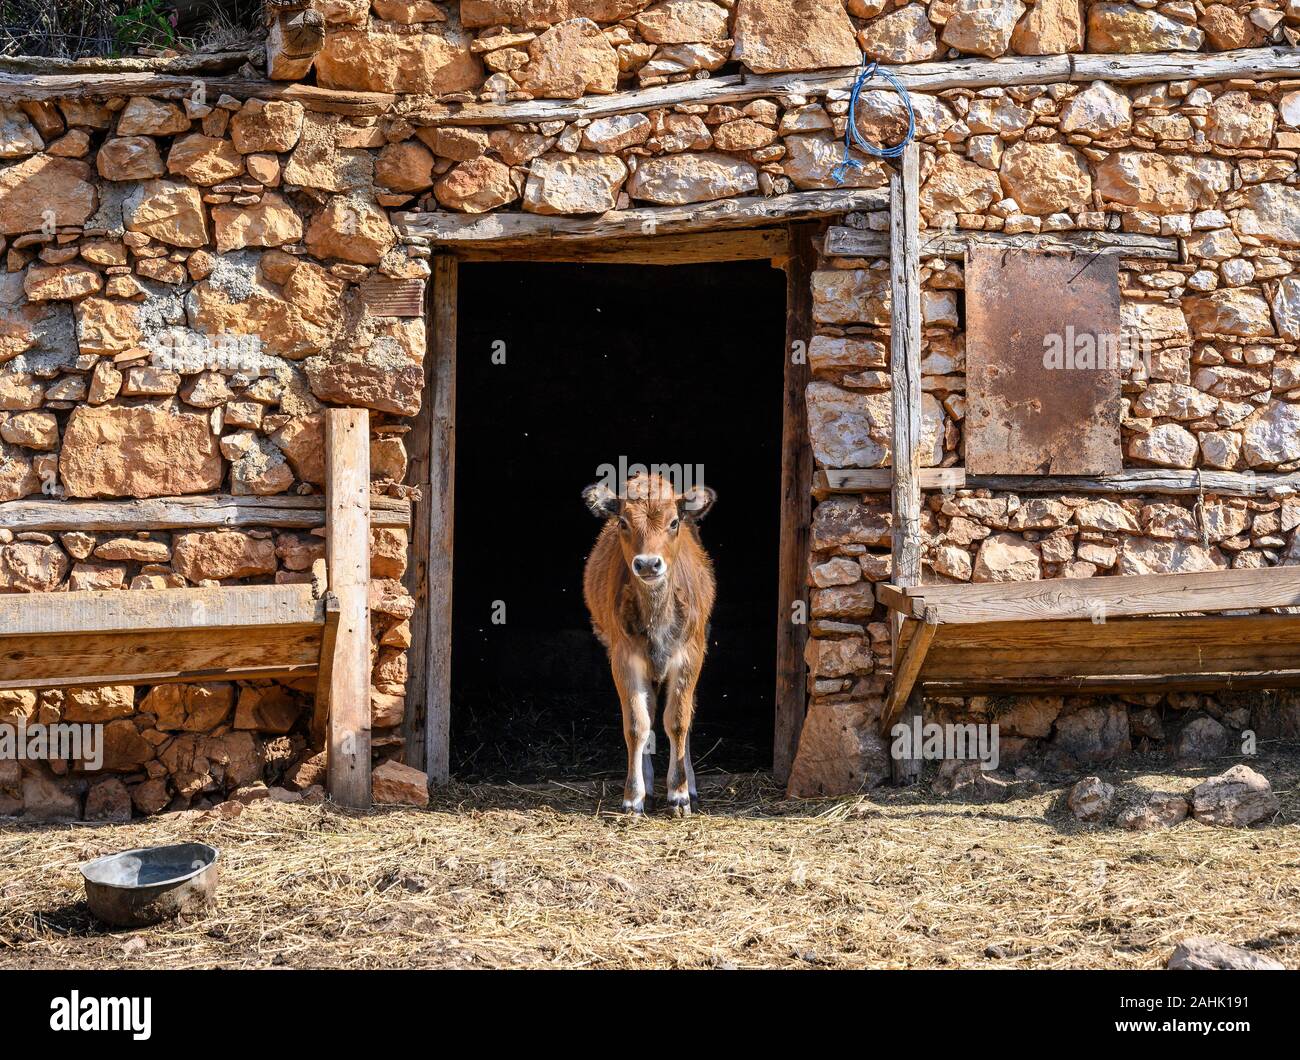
[[508, 876]]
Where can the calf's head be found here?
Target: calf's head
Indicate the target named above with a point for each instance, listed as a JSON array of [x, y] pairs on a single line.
[[650, 515]]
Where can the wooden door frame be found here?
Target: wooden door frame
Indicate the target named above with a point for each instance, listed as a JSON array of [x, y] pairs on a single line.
[[426, 722]]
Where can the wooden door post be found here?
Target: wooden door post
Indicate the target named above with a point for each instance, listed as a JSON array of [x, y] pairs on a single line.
[[347, 547], [905, 394], [426, 724], [796, 504]]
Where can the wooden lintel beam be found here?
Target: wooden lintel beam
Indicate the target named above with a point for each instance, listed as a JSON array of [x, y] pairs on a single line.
[[501, 229]]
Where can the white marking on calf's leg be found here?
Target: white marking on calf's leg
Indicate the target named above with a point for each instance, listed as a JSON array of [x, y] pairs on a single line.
[[678, 712], [631, 675]]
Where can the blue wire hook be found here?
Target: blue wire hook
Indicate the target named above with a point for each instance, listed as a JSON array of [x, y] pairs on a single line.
[[853, 138]]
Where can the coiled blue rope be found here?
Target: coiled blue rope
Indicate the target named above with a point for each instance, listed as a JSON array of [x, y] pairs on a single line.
[[853, 138]]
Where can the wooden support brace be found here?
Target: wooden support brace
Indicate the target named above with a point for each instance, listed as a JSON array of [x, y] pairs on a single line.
[[919, 635], [347, 546]]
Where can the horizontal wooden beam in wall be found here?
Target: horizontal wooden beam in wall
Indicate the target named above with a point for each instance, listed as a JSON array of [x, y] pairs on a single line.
[[741, 244], [844, 242], [1245, 63], [16, 88], [1250, 63], [1079, 598], [1137, 480], [496, 229], [159, 610], [185, 513], [880, 479]]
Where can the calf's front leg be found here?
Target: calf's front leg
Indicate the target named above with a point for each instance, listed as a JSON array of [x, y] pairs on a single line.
[[635, 692], [679, 711]]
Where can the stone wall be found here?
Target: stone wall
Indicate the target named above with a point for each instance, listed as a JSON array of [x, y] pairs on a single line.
[[183, 295], [562, 49], [185, 288], [1213, 165]]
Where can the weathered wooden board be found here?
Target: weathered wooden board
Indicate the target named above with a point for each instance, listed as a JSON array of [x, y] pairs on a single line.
[[459, 229], [1130, 481], [1202, 652], [736, 244], [796, 505], [1103, 598], [208, 511], [158, 610], [156, 656], [1043, 370], [347, 551]]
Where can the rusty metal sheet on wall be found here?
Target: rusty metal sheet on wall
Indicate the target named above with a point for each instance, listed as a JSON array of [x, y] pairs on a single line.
[[1043, 363]]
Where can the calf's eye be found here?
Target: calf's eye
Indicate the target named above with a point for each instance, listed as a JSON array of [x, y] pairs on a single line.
[[674, 524]]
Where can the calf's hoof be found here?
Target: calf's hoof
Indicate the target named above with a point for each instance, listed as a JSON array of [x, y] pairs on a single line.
[[679, 807], [635, 809]]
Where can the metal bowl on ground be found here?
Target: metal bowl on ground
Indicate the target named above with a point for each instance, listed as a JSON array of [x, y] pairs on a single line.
[[139, 887]]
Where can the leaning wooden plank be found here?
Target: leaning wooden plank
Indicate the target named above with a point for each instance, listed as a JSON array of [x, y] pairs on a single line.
[[845, 242], [120, 610], [751, 212], [325, 676], [736, 244], [907, 667], [204, 512], [152, 656], [1100, 599], [347, 551], [881, 479]]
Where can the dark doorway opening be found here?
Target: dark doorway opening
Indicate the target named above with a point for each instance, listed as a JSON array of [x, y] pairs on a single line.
[[670, 364]]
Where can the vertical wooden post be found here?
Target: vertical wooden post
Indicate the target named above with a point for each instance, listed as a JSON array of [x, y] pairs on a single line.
[[796, 503], [426, 724], [347, 548], [905, 393]]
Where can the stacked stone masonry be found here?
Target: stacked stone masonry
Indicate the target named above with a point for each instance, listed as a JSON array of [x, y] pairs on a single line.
[[184, 292]]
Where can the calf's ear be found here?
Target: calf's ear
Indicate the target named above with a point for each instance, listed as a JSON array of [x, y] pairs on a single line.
[[697, 501], [602, 500]]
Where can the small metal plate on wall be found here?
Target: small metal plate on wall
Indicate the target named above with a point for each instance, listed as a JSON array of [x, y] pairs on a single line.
[[1043, 363]]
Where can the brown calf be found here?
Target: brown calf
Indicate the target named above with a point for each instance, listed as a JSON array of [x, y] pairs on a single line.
[[649, 587]]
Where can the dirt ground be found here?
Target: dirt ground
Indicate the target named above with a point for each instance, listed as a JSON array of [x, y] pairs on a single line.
[[552, 876]]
